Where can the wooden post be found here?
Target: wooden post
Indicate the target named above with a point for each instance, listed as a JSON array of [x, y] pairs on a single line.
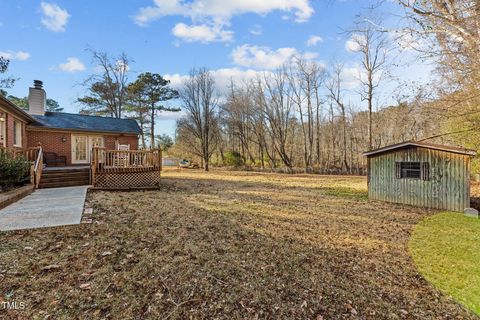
[[160, 159], [32, 173], [93, 165]]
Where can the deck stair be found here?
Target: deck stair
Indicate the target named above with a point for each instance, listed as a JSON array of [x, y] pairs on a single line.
[[57, 177]]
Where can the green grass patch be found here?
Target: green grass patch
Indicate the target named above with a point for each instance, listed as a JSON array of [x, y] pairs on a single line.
[[346, 192], [446, 250]]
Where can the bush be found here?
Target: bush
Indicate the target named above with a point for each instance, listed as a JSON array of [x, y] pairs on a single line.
[[233, 159], [13, 171]]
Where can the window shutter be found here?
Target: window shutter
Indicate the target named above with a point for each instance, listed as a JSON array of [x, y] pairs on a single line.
[[425, 172], [398, 170]]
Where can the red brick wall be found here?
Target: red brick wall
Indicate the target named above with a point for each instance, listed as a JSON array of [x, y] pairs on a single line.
[[52, 142], [112, 141]]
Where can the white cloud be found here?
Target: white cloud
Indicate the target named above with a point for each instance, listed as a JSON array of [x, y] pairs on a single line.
[[54, 18], [351, 77], [171, 115], [310, 55], [265, 58], [221, 10], [72, 65], [15, 55], [314, 40], [176, 80], [256, 30], [354, 43], [222, 77], [202, 33]]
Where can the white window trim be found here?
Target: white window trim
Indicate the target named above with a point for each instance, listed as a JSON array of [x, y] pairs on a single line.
[[17, 125], [3, 129]]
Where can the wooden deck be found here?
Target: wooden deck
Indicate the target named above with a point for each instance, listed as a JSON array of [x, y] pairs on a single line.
[[109, 169], [118, 169]]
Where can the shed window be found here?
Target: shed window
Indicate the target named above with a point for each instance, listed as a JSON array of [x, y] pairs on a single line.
[[412, 170]]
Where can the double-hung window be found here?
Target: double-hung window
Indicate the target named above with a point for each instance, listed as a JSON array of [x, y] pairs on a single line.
[[3, 129], [17, 134]]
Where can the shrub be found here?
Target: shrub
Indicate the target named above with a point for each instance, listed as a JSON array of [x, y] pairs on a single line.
[[13, 171], [233, 159]]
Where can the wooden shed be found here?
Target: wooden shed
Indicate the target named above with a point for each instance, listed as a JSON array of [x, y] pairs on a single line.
[[420, 174]]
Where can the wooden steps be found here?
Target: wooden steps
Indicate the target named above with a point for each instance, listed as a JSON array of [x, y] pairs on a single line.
[[65, 177]]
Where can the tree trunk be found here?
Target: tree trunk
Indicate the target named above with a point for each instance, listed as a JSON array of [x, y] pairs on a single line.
[[152, 128]]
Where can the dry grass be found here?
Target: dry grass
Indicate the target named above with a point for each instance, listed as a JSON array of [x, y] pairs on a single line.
[[226, 245]]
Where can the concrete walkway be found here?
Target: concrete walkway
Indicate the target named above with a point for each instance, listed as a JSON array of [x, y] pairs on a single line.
[[45, 208]]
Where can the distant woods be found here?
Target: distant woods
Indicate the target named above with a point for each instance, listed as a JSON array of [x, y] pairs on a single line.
[[295, 118], [304, 116]]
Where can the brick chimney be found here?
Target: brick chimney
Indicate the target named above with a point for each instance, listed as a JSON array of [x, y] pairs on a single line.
[[37, 98]]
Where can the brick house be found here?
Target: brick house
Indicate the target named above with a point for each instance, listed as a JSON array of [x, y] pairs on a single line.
[[66, 138], [13, 122]]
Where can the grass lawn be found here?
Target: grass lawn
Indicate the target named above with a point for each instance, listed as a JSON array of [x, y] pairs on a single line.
[[226, 245], [446, 249]]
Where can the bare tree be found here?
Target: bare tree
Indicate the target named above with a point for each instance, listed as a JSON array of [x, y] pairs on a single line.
[[305, 78], [450, 34], [107, 89], [237, 114], [278, 113], [200, 104], [453, 30], [335, 89], [371, 42]]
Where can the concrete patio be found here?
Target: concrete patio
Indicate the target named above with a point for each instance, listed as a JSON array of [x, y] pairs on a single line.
[[45, 208]]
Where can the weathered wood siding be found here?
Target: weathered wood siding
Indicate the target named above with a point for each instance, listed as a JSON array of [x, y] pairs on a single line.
[[448, 186]]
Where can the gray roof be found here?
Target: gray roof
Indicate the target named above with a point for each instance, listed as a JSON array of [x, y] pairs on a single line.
[[71, 121], [407, 144]]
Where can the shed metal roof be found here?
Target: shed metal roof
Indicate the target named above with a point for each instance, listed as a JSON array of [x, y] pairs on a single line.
[[71, 121], [422, 145]]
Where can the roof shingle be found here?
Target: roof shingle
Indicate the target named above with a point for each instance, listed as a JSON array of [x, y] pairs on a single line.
[[61, 120]]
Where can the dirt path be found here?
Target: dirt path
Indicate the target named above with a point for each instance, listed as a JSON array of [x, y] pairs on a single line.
[[227, 245]]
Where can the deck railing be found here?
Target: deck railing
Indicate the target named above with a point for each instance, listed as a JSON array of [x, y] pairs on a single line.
[[37, 167], [106, 164], [29, 154]]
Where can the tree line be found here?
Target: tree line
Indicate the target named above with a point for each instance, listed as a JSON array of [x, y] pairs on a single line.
[[298, 117], [301, 116], [295, 118]]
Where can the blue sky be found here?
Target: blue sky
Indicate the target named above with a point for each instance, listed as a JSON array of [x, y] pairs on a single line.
[[47, 40]]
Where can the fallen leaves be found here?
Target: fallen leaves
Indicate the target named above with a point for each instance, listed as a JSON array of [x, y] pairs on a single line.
[[85, 286], [227, 245], [51, 267]]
